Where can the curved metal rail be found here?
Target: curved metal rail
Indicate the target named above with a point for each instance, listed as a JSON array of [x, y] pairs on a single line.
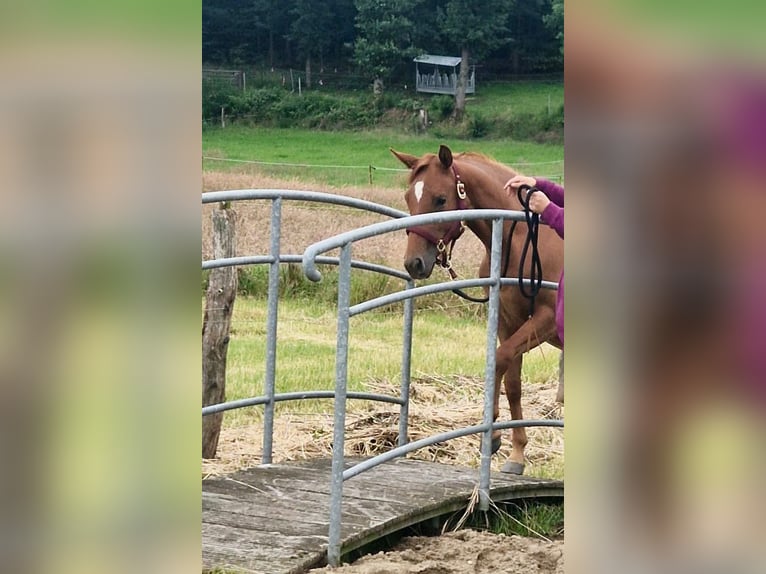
[[274, 259]]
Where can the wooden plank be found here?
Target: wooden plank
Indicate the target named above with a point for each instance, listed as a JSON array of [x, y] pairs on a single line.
[[256, 541], [383, 479], [260, 552], [355, 511], [272, 516], [317, 501], [234, 559], [406, 470]]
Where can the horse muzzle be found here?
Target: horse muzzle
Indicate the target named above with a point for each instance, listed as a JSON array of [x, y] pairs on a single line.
[[420, 266]]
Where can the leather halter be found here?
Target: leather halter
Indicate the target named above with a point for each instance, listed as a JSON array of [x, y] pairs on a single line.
[[445, 244]]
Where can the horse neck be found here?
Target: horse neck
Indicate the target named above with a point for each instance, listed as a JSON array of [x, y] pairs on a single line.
[[484, 189]]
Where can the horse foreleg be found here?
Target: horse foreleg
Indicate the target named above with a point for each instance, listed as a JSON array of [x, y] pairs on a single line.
[[512, 381], [497, 435]]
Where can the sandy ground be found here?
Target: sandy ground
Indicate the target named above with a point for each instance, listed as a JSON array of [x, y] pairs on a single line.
[[465, 551]]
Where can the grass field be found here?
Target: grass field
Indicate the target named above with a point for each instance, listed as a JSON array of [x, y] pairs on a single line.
[[497, 99], [356, 151], [307, 337], [447, 386]]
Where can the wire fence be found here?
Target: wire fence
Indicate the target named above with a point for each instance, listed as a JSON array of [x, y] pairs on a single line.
[[369, 174], [338, 78]]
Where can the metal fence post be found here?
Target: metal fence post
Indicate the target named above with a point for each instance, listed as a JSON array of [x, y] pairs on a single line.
[[271, 330], [489, 374], [339, 424], [404, 410]]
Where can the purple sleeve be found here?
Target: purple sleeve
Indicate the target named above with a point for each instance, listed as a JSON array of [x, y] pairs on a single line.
[[554, 217], [554, 192]]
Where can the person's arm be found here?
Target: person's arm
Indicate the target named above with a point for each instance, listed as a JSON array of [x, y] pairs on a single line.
[[554, 192], [553, 216]]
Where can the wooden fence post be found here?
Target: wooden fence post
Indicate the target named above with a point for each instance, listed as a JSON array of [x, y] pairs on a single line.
[[219, 304]]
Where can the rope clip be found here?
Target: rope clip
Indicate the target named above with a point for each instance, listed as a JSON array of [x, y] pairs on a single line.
[[460, 189]]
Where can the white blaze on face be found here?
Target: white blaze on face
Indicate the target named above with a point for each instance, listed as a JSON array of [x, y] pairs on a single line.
[[419, 190]]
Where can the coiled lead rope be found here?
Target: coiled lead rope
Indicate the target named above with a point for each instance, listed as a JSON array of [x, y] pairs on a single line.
[[531, 290]]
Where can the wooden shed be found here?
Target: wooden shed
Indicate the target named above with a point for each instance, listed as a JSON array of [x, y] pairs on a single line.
[[439, 74]]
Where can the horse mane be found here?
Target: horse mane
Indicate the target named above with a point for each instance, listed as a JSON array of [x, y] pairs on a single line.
[[477, 155], [485, 159], [470, 156]]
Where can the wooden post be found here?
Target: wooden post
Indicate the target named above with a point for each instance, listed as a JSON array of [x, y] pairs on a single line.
[[219, 304], [223, 118]]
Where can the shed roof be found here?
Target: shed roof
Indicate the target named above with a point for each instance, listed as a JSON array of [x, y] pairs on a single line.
[[437, 60]]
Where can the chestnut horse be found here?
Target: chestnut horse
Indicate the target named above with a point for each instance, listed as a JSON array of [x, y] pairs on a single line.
[[435, 184]]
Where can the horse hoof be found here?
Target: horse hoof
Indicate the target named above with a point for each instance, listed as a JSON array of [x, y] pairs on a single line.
[[511, 467], [495, 444]]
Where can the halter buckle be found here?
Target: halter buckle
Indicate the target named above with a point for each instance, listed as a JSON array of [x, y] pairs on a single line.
[[440, 246], [460, 189]]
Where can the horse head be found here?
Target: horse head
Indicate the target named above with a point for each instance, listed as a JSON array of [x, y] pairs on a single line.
[[434, 186]]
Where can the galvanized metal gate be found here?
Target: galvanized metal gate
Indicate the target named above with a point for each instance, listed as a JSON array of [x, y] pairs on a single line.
[[313, 256]]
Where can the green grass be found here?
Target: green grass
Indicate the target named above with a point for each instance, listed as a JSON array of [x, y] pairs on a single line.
[[360, 149], [525, 518], [507, 108], [499, 99], [443, 345]]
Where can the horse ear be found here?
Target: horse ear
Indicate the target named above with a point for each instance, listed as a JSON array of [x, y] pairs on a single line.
[[445, 156], [405, 158]]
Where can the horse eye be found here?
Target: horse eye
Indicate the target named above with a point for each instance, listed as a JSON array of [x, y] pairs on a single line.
[[440, 201]]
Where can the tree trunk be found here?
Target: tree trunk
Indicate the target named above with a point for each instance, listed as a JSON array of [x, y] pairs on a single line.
[[271, 48], [462, 82], [219, 304], [308, 72], [518, 33], [377, 86]]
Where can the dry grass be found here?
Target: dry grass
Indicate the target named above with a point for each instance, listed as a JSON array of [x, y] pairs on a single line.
[[304, 224], [437, 405]]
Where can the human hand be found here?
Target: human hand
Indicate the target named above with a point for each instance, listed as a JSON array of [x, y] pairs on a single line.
[[518, 180], [538, 201]]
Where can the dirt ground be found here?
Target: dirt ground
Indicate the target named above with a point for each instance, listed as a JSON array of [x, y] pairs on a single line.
[[462, 552]]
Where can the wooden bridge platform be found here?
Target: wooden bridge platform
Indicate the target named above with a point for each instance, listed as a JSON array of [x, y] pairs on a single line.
[[273, 519]]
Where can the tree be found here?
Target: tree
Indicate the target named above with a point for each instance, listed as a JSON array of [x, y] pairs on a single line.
[[555, 22], [272, 20], [227, 31], [310, 30], [475, 28], [384, 37]]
